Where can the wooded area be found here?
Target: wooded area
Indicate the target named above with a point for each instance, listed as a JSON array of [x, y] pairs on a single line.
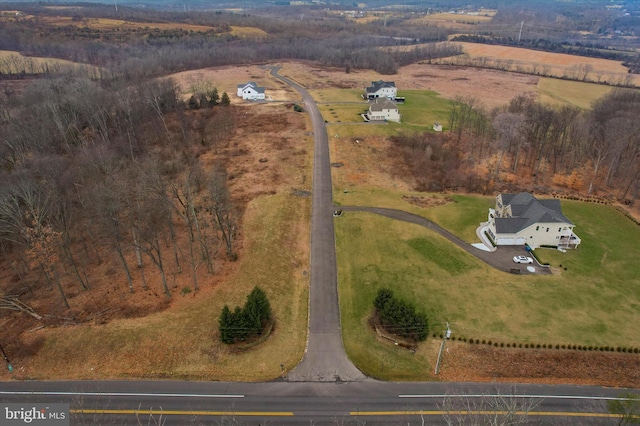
[[533, 146], [86, 167]]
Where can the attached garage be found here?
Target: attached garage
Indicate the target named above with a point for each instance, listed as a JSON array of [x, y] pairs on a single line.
[[507, 241], [511, 241]]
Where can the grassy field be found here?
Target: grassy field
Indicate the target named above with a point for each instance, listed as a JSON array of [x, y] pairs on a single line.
[[461, 215], [555, 64], [360, 130], [562, 92], [15, 62], [423, 108], [337, 95], [594, 301], [111, 24], [343, 113], [247, 32], [183, 342]]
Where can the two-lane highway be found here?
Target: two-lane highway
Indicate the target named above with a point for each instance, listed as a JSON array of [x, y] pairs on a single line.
[[370, 402]]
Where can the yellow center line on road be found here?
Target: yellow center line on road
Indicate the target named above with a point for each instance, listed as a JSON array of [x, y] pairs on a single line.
[[186, 412], [482, 413]]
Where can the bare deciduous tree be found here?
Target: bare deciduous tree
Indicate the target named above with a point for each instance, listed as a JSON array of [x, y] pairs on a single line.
[[502, 408]]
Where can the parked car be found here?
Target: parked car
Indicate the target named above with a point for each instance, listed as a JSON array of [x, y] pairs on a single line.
[[522, 259]]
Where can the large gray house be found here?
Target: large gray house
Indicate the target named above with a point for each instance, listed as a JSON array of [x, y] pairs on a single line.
[[520, 219], [382, 89]]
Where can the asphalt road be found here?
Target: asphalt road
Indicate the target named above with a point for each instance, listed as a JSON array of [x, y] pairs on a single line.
[[276, 403], [325, 358]]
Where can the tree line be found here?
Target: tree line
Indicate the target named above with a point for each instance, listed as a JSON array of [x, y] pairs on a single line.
[[147, 52], [592, 151]]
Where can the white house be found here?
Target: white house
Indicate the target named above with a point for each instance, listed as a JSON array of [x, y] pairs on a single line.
[[250, 91], [382, 89], [520, 219], [382, 110]]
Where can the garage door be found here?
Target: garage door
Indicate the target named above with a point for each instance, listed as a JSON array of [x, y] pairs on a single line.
[[506, 241], [520, 241]]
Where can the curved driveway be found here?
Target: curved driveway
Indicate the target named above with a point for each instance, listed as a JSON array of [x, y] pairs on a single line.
[[325, 358], [501, 260]]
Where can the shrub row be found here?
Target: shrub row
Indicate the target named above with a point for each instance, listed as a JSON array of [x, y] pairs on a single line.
[[623, 349], [628, 216]]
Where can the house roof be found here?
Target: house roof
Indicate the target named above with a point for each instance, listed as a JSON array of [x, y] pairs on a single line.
[[377, 85], [251, 85], [526, 210], [379, 105]]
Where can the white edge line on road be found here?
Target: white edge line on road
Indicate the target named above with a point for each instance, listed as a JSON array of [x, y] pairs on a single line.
[[606, 398], [162, 395]]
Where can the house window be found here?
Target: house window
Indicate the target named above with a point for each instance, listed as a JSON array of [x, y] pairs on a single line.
[[547, 229], [537, 228], [559, 229]]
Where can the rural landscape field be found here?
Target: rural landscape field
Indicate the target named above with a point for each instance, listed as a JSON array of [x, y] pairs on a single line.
[[140, 195]]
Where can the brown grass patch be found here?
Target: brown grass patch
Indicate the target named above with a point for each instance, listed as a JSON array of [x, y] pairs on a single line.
[[365, 163], [427, 201], [112, 24], [480, 363], [226, 79]]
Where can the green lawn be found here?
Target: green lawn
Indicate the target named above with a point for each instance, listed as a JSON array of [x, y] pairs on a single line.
[[461, 216], [343, 113], [422, 108], [596, 300]]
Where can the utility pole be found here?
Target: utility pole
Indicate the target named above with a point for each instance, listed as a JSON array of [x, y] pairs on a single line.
[[446, 336], [520, 33], [116, 5]]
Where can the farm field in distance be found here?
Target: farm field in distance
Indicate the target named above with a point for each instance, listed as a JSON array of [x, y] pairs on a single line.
[[557, 64]]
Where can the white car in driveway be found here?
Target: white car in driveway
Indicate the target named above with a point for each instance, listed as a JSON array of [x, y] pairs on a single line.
[[522, 259]]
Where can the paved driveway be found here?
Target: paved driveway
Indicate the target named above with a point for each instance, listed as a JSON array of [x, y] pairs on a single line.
[[501, 259], [325, 358]]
